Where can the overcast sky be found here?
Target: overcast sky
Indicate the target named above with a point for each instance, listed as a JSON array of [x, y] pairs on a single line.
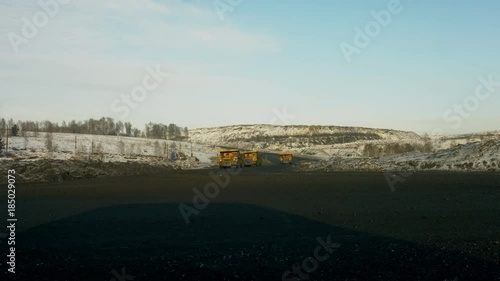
[[259, 61]]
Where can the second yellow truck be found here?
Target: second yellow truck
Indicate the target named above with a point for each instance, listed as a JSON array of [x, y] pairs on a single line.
[[251, 158]]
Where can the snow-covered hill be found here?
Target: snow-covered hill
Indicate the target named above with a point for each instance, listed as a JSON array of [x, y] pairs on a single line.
[[338, 148], [448, 141], [105, 148], [297, 138], [477, 156]]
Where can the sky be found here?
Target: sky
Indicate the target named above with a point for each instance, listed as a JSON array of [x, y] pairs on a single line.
[[417, 65]]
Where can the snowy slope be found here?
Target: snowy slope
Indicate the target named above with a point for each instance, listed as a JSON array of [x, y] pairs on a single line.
[[448, 141], [339, 148], [478, 156], [313, 140], [112, 148]]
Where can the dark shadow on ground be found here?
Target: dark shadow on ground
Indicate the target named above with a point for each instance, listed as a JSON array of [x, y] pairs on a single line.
[[224, 242]]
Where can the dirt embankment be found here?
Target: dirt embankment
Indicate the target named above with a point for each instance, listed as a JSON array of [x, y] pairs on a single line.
[[63, 170]]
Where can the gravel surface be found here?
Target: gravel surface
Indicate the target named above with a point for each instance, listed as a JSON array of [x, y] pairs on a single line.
[[435, 226]]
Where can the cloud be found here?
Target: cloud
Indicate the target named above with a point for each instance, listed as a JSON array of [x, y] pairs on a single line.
[[101, 27], [91, 52]]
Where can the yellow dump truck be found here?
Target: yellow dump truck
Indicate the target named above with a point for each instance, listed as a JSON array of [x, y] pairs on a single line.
[[251, 158], [228, 158], [286, 158]]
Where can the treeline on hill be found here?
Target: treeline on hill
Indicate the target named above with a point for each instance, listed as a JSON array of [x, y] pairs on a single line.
[[161, 131], [103, 126]]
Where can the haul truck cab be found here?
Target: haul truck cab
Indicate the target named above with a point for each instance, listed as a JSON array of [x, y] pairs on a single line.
[[286, 158], [251, 158], [228, 158]]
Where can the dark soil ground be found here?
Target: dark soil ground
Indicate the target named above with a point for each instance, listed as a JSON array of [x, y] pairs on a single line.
[[265, 222]]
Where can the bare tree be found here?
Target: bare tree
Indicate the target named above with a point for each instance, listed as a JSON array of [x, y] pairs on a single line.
[[119, 127], [49, 142], [128, 129], [26, 140], [171, 131], [3, 127], [36, 129], [10, 123], [137, 132], [2, 144]]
